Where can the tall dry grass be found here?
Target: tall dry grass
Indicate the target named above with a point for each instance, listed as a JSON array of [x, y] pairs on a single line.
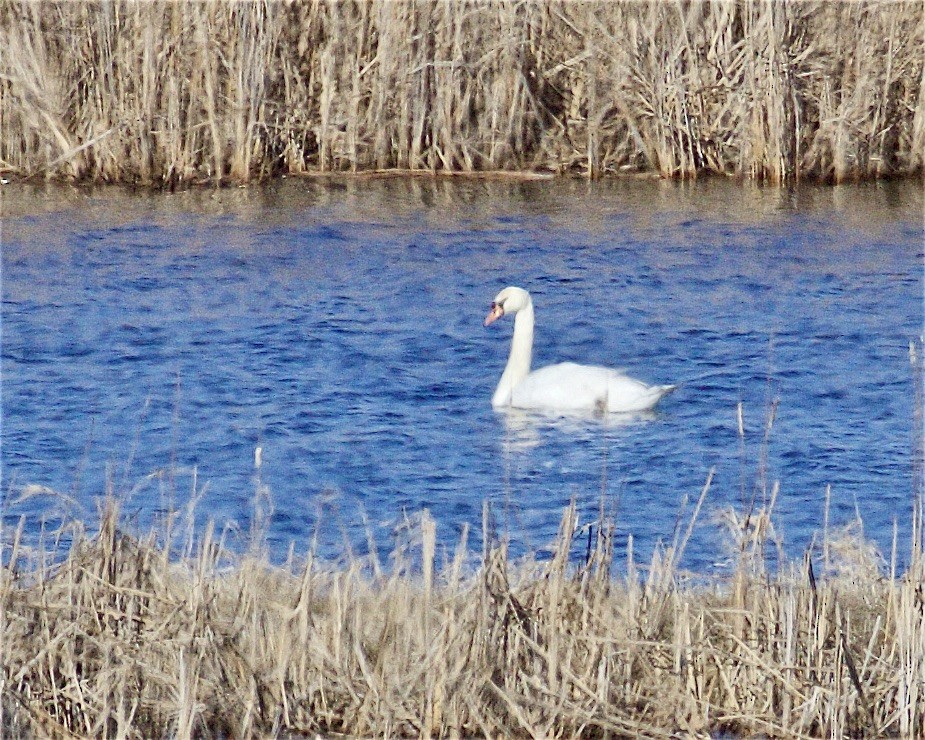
[[122, 639], [161, 92]]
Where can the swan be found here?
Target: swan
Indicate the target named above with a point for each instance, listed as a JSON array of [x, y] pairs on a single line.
[[565, 386]]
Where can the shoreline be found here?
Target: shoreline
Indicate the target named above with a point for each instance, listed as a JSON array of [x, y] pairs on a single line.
[[500, 176]]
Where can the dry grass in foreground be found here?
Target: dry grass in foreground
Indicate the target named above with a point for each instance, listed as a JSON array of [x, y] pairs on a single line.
[[121, 640]]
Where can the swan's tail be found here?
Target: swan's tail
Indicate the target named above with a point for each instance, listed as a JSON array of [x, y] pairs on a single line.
[[660, 391], [649, 398]]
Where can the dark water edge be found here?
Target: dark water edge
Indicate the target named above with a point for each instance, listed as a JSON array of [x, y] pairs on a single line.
[[340, 178]]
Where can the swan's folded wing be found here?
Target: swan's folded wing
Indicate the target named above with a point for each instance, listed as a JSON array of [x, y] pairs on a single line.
[[571, 387], [563, 387]]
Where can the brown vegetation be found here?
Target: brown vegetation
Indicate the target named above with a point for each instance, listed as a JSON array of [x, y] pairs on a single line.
[[121, 640], [165, 93]]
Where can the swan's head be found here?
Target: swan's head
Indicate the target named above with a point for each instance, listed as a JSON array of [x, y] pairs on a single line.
[[508, 301]]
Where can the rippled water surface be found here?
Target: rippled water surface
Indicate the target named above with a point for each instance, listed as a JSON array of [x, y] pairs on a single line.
[[151, 342]]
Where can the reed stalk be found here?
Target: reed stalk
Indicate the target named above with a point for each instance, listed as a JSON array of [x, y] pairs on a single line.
[[162, 93]]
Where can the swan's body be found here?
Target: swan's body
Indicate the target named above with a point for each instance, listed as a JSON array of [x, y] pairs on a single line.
[[565, 386]]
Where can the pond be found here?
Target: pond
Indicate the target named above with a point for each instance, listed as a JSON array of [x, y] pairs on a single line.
[[160, 345]]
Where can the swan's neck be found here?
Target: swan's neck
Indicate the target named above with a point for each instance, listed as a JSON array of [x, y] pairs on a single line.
[[518, 363]]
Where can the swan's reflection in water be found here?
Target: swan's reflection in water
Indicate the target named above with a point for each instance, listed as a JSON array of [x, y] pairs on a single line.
[[549, 458], [525, 430]]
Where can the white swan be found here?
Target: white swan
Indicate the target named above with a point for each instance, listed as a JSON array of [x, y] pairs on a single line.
[[562, 387]]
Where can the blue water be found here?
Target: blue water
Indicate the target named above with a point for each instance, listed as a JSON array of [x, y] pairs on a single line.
[[151, 342]]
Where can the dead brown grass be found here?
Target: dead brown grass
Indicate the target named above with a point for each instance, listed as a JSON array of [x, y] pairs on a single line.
[[165, 93], [121, 640]]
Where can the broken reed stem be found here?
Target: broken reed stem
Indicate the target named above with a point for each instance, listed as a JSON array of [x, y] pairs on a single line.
[[119, 639], [164, 93]]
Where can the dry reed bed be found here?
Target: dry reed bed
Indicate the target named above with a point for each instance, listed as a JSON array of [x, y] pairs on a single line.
[[120, 640], [165, 93]]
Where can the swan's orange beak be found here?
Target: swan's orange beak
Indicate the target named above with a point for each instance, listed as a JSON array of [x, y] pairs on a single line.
[[497, 311]]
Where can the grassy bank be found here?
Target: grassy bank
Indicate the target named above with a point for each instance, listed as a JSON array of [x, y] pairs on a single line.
[[121, 639], [166, 93]]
